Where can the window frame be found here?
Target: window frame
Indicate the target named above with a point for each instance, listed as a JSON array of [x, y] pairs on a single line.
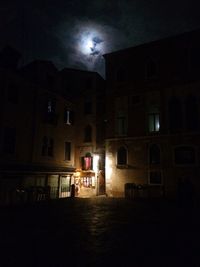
[[119, 164], [182, 163], [161, 177]]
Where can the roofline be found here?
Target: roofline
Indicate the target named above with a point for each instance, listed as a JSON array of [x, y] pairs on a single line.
[[157, 41], [81, 70]]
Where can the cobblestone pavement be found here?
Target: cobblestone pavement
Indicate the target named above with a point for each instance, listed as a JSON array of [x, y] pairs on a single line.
[[99, 232]]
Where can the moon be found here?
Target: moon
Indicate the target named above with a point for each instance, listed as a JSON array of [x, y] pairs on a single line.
[[91, 43]]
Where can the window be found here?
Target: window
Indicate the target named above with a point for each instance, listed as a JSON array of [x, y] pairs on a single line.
[[195, 56], [192, 113], [122, 156], [154, 154], [184, 155], [9, 143], [68, 117], [121, 75], [136, 99], [51, 106], [121, 125], [175, 114], [51, 147], [47, 146], [88, 107], [88, 134], [121, 115], [67, 151], [155, 178], [87, 162], [44, 146], [154, 122], [13, 94], [88, 83], [150, 68]]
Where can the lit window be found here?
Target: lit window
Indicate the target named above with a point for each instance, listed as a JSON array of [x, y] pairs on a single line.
[[154, 122], [51, 106], [122, 156], [87, 162], [68, 116]]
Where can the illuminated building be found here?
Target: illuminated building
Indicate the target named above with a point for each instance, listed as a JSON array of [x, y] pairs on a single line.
[[153, 116], [49, 130], [88, 95]]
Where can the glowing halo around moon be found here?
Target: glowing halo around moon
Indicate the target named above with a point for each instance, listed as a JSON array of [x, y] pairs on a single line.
[[91, 43]]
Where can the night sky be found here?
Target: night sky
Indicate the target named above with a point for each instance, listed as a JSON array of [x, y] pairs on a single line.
[[75, 33]]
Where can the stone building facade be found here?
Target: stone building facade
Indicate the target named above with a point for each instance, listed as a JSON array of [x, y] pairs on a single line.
[[153, 123]]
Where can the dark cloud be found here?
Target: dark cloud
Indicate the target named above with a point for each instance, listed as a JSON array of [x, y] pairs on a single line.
[[55, 30]]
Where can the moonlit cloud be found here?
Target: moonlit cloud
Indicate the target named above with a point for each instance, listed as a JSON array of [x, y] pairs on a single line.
[[88, 41], [75, 33]]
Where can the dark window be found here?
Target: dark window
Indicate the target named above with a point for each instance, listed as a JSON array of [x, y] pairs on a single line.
[[50, 81], [121, 75], [88, 83], [175, 114], [184, 155], [68, 116], [67, 151], [192, 113], [51, 147], [13, 94], [154, 154], [122, 156], [88, 107], [121, 125], [154, 122], [155, 177], [151, 69], [9, 140], [195, 56], [136, 99], [44, 146], [88, 134], [47, 146]]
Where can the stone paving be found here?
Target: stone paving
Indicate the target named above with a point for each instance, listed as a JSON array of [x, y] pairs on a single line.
[[99, 232]]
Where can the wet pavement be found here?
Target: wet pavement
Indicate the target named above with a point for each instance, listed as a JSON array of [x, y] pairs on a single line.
[[99, 232]]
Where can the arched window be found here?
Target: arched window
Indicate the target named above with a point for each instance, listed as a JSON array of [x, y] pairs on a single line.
[[87, 162], [154, 154], [191, 112], [88, 134], [175, 114], [122, 156]]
